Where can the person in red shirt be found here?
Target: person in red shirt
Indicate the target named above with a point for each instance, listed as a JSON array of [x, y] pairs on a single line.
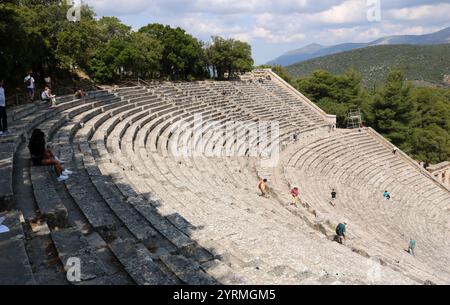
[[295, 193]]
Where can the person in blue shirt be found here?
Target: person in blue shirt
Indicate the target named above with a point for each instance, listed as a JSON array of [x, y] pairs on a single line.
[[3, 116], [387, 195], [412, 247]]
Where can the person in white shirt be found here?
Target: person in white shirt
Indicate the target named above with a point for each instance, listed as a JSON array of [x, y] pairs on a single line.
[[48, 96], [3, 117], [30, 85]]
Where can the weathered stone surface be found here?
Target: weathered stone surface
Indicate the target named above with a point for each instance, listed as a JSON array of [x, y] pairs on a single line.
[[15, 266], [6, 170], [187, 270], [72, 244], [166, 209], [139, 264], [50, 204]]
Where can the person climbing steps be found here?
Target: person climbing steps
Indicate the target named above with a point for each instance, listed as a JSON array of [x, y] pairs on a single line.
[[263, 188], [295, 199]]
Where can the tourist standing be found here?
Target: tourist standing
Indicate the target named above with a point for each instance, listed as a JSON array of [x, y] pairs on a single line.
[[3, 116], [30, 85], [333, 197], [412, 247]]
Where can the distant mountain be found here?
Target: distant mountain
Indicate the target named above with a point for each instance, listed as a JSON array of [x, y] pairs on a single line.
[[315, 50], [295, 56], [422, 64]]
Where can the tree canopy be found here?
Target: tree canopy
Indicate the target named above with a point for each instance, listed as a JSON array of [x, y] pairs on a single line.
[[38, 36], [228, 57]]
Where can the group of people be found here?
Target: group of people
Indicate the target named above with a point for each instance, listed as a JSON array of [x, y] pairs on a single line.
[[341, 236], [46, 95], [30, 86], [42, 155], [341, 228]]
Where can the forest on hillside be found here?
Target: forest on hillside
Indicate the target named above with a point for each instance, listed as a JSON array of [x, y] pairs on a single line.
[[427, 64], [36, 35]]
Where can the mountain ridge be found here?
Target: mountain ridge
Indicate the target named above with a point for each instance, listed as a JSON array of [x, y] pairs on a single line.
[[304, 54]]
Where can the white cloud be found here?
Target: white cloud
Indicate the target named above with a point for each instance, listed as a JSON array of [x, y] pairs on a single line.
[[350, 11], [422, 13], [283, 24]]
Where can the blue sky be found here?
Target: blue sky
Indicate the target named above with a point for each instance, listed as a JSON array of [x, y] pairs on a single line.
[[274, 27]]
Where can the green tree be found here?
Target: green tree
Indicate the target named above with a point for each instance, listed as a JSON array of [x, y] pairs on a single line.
[[137, 55], [112, 27], [141, 56], [430, 144], [394, 108], [228, 56], [77, 41], [336, 94], [182, 56]]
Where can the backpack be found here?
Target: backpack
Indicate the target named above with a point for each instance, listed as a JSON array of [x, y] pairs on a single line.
[[340, 229]]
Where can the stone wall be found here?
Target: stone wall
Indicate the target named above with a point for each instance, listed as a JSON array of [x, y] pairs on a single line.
[[441, 172]]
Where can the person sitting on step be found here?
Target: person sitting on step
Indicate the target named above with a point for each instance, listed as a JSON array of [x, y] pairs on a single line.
[[340, 232], [295, 196], [79, 94], [47, 96], [387, 195], [41, 155], [263, 188]]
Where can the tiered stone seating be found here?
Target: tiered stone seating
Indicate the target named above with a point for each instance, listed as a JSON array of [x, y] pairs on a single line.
[[157, 198], [361, 169], [178, 180]]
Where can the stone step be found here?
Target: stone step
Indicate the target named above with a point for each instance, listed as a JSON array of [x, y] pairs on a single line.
[[50, 205], [186, 270], [139, 264], [71, 244], [15, 268], [6, 171]]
